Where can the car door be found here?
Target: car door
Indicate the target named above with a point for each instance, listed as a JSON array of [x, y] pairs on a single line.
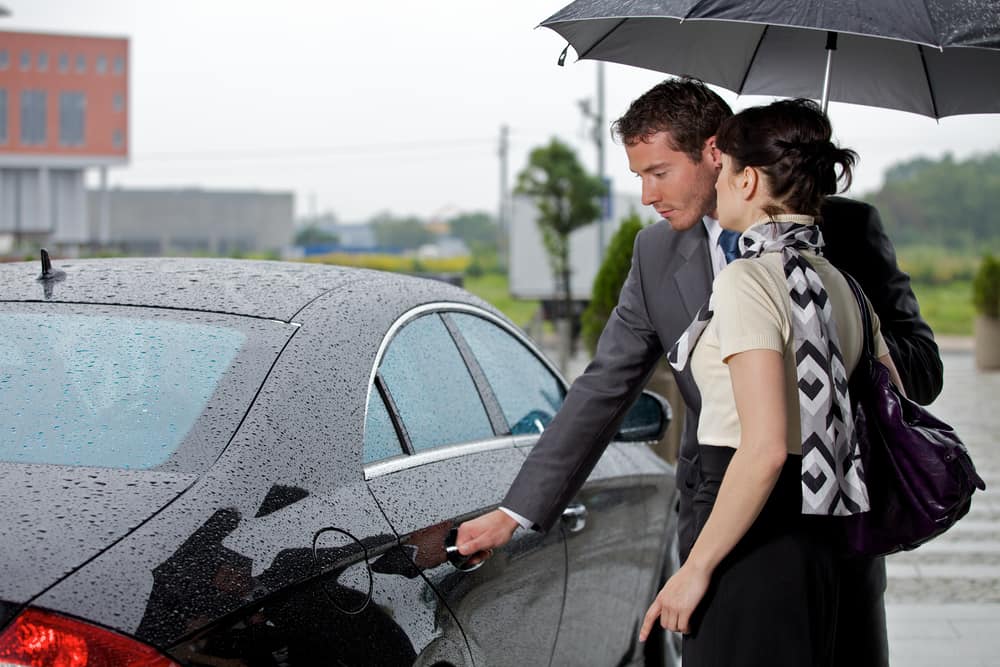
[[445, 455], [603, 524]]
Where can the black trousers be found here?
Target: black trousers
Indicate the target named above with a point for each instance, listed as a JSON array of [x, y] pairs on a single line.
[[857, 608], [773, 599], [861, 638]]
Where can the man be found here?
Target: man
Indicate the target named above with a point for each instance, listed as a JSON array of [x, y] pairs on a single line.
[[669, 139]]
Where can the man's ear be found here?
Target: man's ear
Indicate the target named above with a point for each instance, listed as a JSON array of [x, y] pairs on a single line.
[[712, 152]]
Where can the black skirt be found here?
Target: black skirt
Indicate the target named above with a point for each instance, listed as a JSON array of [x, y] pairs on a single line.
[[772, 601]]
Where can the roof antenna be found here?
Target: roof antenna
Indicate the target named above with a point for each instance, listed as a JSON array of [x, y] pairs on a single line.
[[49, 275]]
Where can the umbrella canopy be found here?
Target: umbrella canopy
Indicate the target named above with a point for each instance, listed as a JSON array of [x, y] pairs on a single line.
[[933, 57]]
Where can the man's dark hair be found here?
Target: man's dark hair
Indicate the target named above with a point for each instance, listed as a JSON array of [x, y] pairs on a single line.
[[789, 141], [684, 107]]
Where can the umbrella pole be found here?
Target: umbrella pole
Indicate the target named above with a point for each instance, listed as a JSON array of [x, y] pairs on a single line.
[[831, 46]]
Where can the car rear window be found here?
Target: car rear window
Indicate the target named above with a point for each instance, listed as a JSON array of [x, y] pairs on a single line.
[[116, 388]]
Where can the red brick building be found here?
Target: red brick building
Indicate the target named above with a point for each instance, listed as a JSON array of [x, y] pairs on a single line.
[[64, 108]]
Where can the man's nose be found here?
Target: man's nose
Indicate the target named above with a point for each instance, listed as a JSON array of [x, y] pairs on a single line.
[[650, 194]]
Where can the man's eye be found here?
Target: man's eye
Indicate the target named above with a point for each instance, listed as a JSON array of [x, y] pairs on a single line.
[[659, 174]]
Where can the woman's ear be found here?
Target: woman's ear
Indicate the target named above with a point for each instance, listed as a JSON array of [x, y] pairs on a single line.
[[748, 183]]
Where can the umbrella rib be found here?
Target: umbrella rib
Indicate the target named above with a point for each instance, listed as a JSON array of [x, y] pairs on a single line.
[[603, 37], [746, 72], [927, 78]]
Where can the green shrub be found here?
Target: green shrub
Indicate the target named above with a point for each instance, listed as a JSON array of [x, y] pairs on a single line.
[[935, 265], [986, 287], [609, 280]]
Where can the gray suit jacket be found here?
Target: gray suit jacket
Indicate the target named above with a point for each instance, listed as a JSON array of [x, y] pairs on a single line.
[[670, 279]]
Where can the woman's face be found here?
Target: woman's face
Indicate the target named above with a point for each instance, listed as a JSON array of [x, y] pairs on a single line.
[[733, 208]]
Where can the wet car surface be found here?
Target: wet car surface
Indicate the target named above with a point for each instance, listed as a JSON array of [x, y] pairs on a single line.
[[223, 462]]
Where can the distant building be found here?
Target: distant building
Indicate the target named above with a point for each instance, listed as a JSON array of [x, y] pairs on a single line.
[[64, 108], [359, 236], [186, 221], [444, 247]]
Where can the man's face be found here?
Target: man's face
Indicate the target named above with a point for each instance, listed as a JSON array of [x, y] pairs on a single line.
[[680, 189]]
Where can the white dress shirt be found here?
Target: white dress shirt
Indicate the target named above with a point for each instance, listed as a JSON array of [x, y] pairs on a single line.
[[714, 230]]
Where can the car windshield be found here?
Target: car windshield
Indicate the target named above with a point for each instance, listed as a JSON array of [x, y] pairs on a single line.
[[117, 388]]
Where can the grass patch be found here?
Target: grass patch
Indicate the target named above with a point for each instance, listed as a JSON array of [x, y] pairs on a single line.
[[947, 308], [493, 287], [394, 263]]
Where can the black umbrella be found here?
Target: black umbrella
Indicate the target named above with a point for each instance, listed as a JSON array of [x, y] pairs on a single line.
[[933, 57]]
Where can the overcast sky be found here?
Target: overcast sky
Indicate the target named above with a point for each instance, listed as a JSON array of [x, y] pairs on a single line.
[[359, 107]]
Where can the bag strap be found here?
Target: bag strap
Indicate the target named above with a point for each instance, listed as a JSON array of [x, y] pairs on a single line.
[[866, 315]]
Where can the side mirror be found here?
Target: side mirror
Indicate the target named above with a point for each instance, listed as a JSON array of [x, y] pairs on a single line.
[[647, 420]]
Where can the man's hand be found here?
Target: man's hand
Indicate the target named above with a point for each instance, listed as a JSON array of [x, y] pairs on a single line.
[[486, 532], [676, 601]]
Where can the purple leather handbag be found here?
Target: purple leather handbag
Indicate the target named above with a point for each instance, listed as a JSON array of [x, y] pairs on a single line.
[[919, 475]]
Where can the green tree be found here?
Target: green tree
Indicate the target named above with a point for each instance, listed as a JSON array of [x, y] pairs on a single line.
[[986, 287], [407, 233], [475, 229], [609, 280], [314, 235], [567, 198], [944, 202]]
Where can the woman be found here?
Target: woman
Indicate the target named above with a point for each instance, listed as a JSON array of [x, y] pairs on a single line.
[[778, 454]]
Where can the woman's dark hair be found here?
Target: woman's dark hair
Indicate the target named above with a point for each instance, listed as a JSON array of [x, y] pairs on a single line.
[[686, 108], [790, 142]]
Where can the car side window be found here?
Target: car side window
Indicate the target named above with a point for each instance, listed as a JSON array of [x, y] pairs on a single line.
[[381, 441], [431, 388], [528, 393]]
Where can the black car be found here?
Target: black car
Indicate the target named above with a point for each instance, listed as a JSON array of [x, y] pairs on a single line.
[[221, 462]]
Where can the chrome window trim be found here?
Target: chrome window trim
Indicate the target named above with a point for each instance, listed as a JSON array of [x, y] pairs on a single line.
[[404, 461], [436, 455]]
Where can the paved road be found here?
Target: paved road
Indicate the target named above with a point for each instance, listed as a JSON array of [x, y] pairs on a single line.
[[943, 599], [963, 565]]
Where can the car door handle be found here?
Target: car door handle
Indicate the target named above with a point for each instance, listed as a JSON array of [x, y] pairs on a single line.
[[575, 517], [458, 561]]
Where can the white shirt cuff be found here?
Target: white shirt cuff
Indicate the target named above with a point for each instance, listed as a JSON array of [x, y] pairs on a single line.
[[524, 523]]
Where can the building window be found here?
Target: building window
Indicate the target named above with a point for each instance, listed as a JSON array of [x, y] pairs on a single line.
[[63, 62], [72, 113], [4, 59], [43, 61], [3, 115], [81, 63], [117, 139], [119, 102], [33, 117], [119, 64], [102, 65], [25, 61]]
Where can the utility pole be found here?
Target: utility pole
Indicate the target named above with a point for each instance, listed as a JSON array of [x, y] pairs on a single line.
[[599, 140], [597, 135], [503, 208]]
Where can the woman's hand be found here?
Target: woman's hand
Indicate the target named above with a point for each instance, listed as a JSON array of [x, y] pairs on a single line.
[[677, 600]]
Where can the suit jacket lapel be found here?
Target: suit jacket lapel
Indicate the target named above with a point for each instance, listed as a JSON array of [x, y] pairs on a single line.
[[694, 277]]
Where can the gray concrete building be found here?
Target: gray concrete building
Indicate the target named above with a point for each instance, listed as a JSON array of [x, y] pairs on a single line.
[[186, 221]]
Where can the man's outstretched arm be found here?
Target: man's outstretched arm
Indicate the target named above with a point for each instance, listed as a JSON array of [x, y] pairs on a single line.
[[572, 443]]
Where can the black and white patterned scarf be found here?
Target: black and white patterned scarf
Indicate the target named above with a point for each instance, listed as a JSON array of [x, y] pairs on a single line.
[[833, 481]]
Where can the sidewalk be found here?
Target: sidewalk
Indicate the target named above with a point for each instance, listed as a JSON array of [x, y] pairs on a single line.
[[963, 635], [943, 599]]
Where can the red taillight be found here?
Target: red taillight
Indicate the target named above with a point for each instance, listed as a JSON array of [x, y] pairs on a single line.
[[42, 639]]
